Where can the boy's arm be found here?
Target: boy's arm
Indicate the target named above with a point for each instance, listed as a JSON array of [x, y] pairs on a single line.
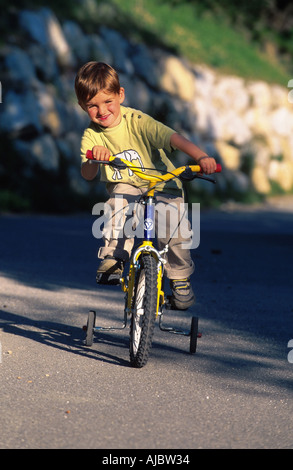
[[89, 171], [207, 163]]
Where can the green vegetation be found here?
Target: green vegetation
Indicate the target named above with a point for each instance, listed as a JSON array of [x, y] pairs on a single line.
[[206, 35], [250, 39]]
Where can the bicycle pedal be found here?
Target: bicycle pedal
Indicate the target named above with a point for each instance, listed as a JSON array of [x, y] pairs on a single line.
[[108, 279], [168, 304]]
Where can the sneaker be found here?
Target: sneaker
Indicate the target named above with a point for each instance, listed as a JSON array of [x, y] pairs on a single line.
[[110, 271], [182, 294]]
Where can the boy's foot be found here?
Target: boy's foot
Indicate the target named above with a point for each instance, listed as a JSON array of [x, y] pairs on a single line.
[[182, 294], [110, 271]]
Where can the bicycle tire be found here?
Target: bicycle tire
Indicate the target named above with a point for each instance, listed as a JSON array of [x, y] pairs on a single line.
[[193, 335], [90, 328], [144, 304]]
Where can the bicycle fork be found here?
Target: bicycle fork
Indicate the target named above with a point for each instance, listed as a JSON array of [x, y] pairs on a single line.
[[145, 247]]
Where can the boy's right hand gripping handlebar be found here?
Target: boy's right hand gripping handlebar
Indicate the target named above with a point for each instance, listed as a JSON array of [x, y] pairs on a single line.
[[117, 162]]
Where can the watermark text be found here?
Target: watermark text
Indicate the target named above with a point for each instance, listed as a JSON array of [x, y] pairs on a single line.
[[127, 220]]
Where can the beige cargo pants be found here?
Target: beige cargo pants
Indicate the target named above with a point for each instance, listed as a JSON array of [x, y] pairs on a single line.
[[124, 222]]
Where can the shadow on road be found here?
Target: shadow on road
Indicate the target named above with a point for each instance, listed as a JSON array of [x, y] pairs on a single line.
[[243, 284], [60, 336]]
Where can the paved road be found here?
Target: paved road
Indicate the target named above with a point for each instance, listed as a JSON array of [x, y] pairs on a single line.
[[236, 392]]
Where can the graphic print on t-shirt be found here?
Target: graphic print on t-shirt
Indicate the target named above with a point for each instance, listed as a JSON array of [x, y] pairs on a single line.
[[131, 156]]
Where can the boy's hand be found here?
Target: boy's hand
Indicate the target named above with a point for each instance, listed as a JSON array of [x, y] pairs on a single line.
[[208, 165], [100, 153]]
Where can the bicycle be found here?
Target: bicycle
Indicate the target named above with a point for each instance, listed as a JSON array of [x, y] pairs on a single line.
[[145, 299]]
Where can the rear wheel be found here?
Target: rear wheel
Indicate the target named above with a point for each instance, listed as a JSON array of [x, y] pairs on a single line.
[[144, 304]]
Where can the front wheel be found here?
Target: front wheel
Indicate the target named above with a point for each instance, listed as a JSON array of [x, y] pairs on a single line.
[[144, 305]]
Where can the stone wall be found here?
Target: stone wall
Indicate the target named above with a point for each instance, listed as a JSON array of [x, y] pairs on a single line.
[[247, 126]]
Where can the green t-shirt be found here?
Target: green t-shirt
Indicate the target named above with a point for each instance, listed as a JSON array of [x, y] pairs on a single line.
[[137, 138]]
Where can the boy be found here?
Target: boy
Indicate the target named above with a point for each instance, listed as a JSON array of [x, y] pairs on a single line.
[[120, 131]]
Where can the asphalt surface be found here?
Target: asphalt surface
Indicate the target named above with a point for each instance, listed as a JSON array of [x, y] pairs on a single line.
[[234, 393]]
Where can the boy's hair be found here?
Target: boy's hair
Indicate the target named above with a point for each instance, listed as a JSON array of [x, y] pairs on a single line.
[[94, 77]]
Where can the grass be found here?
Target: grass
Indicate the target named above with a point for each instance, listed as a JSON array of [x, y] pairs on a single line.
[[197, 34], [201, 38]]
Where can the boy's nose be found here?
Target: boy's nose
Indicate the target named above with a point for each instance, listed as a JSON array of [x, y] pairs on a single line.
[[101, 111]]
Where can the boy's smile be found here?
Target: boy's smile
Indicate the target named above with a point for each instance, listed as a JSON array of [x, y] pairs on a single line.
[[104, 108]]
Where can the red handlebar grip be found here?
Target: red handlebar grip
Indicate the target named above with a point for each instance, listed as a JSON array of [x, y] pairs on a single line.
[[219, 168]]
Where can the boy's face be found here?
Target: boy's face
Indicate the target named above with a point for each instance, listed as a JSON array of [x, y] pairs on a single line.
[[104, 108]]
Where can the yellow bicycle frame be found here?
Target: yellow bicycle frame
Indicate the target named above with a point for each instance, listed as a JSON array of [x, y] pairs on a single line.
[[155, 179], [147, 245]]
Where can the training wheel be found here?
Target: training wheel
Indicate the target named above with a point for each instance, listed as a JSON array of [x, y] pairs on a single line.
[[194, 335], [90, 328]]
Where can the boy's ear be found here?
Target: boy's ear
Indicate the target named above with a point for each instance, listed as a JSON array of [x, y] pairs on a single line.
[[121, 95]]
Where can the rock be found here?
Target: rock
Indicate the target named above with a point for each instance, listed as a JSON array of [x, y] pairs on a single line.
[[144, 65], [47, 70], [119, 48], [57, 39], [260, 95], [20, 111], [203, 112], [69, 146], [286, 144], [279, 96], [20, 71], [137, 94], [282, 122], [99, 50], [258, 121], [76, 182], [49, 115], [229, 93], [34, 23], [273, 146], [230, 156], [44, 28], [260, 180], [240, 182], [176, 77], [41, 150], [281, 173], [258, 151], [80, 43], [234, 128], [205, 82]]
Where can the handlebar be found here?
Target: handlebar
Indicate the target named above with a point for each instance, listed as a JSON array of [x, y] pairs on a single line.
[[185, 173]]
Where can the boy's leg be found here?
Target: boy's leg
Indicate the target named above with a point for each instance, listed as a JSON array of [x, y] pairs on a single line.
[[118, 242], [173, 227]]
